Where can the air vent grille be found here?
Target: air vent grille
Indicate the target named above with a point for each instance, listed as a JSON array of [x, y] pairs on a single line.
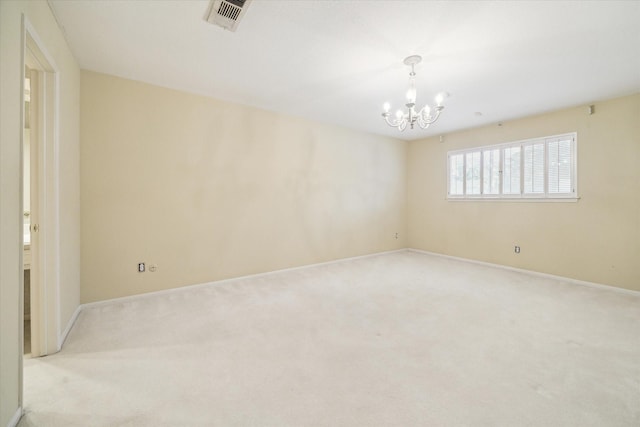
[[229, 11], [226, 13]]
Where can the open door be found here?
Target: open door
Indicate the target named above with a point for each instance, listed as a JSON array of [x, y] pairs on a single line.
[[32, 254], [27, 204], [43, 188]]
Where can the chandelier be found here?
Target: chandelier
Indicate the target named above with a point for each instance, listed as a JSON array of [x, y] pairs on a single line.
[[425, 116]]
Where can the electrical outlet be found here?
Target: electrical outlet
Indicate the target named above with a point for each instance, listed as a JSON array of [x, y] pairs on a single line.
[[153, 268], [517, 249], [141, 267], [397, 236]]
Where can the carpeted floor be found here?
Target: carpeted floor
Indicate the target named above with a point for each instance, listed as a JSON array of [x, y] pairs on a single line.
[[399, 339]]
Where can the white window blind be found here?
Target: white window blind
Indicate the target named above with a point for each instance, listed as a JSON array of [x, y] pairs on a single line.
[[511, 171], [560, 165], [534, 168], [456, 174], [473, 173], [541, 168], [491, 172]]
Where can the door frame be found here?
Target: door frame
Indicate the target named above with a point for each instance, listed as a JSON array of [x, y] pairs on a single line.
[[45, 295]]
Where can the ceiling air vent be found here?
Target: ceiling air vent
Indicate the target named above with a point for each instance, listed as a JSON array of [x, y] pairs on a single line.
[[226, 13]]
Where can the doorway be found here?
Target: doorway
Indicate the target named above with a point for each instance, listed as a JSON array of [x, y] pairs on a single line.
[[27, 191], [40, 295]]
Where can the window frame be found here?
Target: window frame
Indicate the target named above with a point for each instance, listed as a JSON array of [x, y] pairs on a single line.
[[521, 196]]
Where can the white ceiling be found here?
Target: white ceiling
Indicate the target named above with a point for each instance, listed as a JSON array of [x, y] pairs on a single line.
[[338, 61]]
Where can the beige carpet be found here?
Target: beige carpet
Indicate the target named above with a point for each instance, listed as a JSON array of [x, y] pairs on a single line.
[[400, 339]]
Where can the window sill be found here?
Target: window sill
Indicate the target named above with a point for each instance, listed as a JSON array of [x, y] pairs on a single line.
[[515, 199]]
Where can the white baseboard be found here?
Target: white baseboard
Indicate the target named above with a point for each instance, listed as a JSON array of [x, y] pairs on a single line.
[[534, 273], [63, 337], [13, 422], [233, 279]]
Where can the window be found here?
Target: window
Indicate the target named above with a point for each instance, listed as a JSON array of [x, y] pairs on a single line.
[[542, 168]]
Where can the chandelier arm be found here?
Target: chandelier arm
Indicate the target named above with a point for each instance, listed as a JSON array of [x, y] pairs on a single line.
[[392, 122], [439, 109], [396, 123], [428, 118]]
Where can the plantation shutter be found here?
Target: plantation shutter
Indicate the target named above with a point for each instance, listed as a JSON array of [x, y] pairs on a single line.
[[456, 175], [491, 171], [534, 168], [473, 173], [560, 161], [511, 171]]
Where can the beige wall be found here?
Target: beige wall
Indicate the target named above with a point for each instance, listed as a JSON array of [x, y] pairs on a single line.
[[596, 239], [209, 190], [11, 70]]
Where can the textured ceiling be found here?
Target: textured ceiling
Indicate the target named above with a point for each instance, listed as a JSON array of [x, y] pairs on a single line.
[[339, 61]]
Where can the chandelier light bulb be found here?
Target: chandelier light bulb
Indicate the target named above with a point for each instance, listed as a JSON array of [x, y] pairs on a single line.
[[411, 92], [439, 98], [411, 95], [386, 106], [399, 114]]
